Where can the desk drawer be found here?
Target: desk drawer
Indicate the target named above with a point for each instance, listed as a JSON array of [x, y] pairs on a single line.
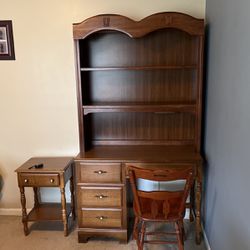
[[100, 172], [45, 180], [100, 218], [100, 196]]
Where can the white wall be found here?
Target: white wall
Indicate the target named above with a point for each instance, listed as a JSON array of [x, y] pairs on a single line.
[[38, 107]]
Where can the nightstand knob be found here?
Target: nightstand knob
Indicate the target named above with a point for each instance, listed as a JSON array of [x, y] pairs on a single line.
[[26, 180], [52, 180], [101, 217]]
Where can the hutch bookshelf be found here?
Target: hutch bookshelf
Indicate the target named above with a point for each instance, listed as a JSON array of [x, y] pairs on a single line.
[[139, 86]]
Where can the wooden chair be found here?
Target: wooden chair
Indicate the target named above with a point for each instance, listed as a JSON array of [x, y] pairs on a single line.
[[160, 206]]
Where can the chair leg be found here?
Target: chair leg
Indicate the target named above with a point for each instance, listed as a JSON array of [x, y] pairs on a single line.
[[142, 235], [179, 238], [183, 234], [191, 216], [138, 233], [135, 229]]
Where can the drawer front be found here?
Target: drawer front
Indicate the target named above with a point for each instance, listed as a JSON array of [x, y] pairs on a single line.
[[45, 180], [100, 196], [101, 218], [100, 172]]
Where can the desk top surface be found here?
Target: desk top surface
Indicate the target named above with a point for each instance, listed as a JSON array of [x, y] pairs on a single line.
[[141, 154], [50, 164]]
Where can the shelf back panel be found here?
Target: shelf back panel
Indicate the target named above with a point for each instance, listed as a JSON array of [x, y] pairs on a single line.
[[152, 86], [158, 128], [116, 49]]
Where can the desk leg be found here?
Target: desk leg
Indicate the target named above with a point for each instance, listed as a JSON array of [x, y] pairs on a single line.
[[198, 204], [72, 198], [24, 213], [64, 212]]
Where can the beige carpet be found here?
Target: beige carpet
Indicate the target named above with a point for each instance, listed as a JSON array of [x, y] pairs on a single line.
[[49, 236]]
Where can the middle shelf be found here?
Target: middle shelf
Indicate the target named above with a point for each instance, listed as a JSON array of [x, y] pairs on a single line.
[[150, 67], [172, 107]]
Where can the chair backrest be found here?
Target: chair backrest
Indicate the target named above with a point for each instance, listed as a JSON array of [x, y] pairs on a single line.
[[161, 204]]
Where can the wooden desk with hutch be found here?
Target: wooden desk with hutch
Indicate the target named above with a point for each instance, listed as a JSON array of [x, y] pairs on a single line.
[[139, 102]]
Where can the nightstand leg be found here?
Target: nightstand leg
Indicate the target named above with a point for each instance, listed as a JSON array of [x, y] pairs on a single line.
[[36, 197], [24, 213], [64, 212], [72, 191]]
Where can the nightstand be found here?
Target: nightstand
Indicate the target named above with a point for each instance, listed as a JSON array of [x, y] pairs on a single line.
[[55, 172]]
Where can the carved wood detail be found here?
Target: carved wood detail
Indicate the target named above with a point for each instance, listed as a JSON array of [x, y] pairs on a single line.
[[140, 28], [106, 21]]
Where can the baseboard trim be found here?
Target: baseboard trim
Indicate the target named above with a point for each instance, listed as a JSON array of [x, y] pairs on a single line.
[[205, 238], [12, 211]]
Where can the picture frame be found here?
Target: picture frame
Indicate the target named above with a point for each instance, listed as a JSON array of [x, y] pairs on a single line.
[[6, 40]]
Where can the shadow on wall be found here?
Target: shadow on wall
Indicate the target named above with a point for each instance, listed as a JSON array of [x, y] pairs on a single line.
[[203, 133], [209, 199]]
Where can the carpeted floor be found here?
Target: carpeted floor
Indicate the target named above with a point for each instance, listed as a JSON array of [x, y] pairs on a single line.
[[49, 236]]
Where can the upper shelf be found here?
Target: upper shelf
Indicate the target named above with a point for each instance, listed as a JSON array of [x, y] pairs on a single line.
[[140, 68], [132, 28], [189, 107]]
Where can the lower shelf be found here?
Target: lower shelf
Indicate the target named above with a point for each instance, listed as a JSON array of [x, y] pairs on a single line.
[[48, 212]]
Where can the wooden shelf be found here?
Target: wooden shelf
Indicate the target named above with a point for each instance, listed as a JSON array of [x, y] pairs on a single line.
[[141, 153], [189, 107], [48, 212], [140, 68]]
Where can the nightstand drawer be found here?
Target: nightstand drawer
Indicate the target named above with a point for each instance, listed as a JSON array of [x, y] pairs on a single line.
[[100, 172], [100, 218], [43, 180], [100, 196]]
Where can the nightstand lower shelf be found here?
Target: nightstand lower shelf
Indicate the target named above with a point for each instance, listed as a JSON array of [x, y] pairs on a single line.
[[48, 212]]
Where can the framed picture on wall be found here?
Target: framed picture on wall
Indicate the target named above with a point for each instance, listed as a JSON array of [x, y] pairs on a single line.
[[6, 41]]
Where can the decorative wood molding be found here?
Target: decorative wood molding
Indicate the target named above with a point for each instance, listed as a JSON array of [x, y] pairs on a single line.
[[140, 28], [106, 21]]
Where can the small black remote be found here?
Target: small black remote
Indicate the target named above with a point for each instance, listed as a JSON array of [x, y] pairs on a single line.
[[37, 166]]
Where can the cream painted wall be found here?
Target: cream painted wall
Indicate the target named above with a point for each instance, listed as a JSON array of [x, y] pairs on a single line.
[[137, 9], [38, 109]]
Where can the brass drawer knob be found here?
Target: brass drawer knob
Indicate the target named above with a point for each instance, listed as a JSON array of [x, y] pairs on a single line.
[[52, 180], [101, 196], [100, 172], [26, 180], [101, 217]]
